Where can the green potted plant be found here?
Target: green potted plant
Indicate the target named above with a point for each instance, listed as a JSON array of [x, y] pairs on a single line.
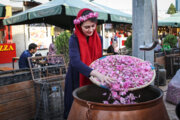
[[171, 40], [62, 44]]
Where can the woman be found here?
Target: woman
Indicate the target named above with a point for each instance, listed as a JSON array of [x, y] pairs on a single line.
[[52, 51], [85, 46]]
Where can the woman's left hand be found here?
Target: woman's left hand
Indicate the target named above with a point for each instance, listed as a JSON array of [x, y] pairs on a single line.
[[102, 78]]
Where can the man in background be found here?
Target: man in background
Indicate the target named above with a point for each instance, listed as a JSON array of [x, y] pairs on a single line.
[[113, 48], [178, 42], [23, 60]]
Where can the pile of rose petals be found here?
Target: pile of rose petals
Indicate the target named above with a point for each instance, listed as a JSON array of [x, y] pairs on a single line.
[[130, 72]]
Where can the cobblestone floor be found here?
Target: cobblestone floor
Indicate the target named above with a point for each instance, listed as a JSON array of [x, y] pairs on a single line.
[[169, 107]]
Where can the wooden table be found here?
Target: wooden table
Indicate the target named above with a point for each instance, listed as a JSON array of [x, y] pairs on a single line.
[[5, 68]]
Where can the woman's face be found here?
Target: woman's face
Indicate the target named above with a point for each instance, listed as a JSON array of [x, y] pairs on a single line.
[[88, 28]]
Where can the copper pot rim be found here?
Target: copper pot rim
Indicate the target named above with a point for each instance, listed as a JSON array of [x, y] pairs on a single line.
[[146, 103]]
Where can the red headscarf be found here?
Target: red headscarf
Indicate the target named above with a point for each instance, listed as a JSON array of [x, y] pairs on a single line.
[[89, 51]]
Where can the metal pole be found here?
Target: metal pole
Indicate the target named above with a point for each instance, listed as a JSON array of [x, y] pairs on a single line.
[[155, 21], [154, 27]]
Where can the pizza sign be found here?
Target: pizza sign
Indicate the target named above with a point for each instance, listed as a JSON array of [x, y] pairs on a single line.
[[6, 47], [7, 52]]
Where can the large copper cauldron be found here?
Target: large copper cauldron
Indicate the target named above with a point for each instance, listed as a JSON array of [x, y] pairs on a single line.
[[87, 105]]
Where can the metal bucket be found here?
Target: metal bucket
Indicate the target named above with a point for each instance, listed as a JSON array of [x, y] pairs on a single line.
[[87, 105]]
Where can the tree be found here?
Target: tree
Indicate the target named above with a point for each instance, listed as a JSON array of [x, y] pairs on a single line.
[[171, 9]]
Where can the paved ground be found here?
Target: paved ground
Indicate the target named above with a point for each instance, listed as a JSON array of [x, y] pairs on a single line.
[[169, 107]]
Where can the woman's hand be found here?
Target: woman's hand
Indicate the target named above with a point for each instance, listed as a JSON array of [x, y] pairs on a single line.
[[101, 77]]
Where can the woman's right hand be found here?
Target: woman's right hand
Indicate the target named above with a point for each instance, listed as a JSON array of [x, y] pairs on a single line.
[[101, 77]]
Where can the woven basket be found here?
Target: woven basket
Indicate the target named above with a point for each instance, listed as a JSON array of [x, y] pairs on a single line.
[[95, 81]]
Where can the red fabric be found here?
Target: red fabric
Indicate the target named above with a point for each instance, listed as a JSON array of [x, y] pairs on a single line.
[[89, 51]]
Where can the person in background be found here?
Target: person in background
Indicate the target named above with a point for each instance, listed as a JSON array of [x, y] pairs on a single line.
[[52, 51], [113, 48], [52, 55], [23, 60], [116, 48], [114, 37], [85, 46], [158, 46], [129, 34], [125, 34], [178, 42], [163, 35]]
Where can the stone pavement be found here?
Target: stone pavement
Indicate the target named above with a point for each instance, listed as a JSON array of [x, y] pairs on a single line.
[[169, 107]]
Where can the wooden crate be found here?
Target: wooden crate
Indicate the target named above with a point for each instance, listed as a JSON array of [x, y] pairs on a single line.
[[17, 101]]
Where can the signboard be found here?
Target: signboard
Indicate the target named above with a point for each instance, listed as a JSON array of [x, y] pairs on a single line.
[[108, 26], [8, 11], [7, 52], [39, 35]]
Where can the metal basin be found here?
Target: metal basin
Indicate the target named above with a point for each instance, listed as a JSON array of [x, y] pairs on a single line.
[[87, 105]]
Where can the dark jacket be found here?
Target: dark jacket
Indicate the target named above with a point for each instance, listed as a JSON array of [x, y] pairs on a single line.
[[111, 50], [23, 60]]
